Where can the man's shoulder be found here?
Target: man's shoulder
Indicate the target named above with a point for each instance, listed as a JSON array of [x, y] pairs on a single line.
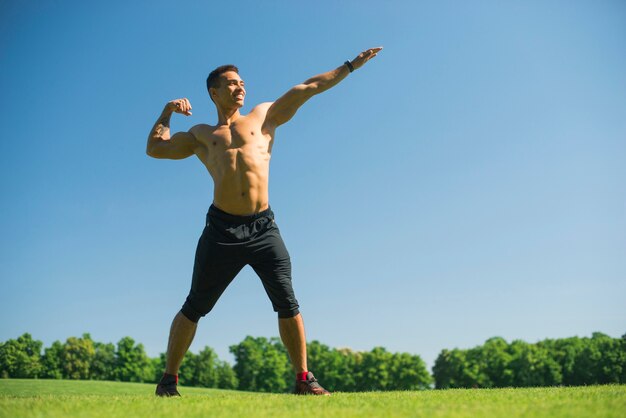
[[202, 130], [261, 108], [201, 126]]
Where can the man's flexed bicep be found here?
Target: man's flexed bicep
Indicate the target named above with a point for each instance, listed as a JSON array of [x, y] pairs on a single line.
[[178, 146]]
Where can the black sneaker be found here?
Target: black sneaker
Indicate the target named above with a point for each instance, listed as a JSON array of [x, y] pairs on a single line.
[[310, 386], [167, 386], [166, 390]]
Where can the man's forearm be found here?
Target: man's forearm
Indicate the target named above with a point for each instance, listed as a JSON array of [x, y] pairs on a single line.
[[323, 82], [161, 129]]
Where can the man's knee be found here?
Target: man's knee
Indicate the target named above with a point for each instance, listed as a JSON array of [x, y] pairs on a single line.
[[190, 313], [288, 313], [198, 305]]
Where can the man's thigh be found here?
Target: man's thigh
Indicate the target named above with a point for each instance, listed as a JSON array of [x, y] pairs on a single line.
[[215, 267], [272, 264]]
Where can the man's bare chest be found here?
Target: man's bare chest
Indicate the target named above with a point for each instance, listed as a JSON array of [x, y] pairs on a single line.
[[238, 141]]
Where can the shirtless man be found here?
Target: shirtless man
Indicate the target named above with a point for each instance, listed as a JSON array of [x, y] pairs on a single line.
[[240, 228]]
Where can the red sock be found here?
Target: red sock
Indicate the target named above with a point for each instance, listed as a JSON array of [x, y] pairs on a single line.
[[301, 376]]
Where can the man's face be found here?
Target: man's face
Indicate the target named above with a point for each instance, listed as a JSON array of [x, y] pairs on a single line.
[[231, 91]]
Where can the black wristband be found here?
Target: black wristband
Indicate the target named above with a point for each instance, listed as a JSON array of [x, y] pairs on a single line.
[[349, 64]]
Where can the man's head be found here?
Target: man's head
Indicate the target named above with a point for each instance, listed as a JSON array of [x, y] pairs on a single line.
[[225, 87]]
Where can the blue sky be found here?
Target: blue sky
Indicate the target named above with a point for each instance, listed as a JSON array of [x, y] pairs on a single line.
[[468, 182]]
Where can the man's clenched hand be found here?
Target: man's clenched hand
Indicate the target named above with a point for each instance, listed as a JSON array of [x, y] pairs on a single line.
[[180, 106], [365, 56]]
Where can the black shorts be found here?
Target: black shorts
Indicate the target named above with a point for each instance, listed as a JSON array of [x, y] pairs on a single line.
[[228, 243]]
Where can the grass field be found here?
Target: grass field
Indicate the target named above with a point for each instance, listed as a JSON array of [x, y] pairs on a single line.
[[62, 398]]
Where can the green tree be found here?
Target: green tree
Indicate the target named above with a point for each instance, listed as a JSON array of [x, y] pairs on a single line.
[[408, 372], [443, 370], [131, 362], [602, 360], [326, 363], [186, 373], [375, 370], [202, 369], [348, 364], [21, 357], [158, 364], [52, 361], [261, 365], [495, 362], [226, 377], [461, 369], [475, 371], [565, 352], [206, 368], [533, 365], [622, 350], [613, 360], [77, 356], [587, 359], [103, 362]]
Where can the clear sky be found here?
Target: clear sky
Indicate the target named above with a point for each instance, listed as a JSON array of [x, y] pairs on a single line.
[[468, 182]]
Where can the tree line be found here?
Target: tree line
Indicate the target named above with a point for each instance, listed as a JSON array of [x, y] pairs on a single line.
[[82, 358], [262, 364], [552, 362]]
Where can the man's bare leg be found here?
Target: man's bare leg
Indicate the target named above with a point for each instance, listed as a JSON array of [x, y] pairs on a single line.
[[292, 334], [181, 335]]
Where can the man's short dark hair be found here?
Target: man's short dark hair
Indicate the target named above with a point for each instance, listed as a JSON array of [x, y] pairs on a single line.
[[213, 80]]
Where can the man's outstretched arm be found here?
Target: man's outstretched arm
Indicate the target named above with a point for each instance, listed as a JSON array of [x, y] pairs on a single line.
[[286, 106], [178, 146]]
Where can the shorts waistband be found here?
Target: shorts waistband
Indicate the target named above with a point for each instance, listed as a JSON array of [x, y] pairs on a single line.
[[216, 212]]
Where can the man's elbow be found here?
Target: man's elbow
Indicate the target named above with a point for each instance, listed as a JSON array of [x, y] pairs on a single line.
[[152, 151], [307, 89]]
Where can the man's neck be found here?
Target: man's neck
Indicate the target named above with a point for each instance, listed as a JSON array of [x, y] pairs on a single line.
[[227, 116]]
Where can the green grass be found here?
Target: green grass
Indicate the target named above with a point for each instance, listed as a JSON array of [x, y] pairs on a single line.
[[62, 398]]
